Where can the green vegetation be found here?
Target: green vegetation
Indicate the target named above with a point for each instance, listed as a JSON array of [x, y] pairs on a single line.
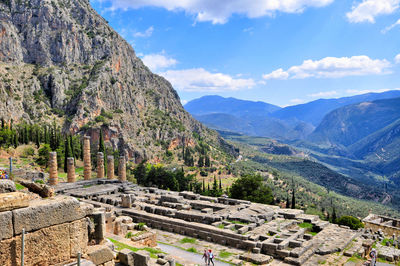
[[251, 187], [236, 222], [140, 226], [192, 249], [188, 240], [18, 186], [128, 235], [386, 240], [158, 175], [306, 225], [120, 246], [350, 221], [223, 254]]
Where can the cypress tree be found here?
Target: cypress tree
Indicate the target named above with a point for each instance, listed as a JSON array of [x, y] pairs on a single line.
[[16, 140], [293, 200], [67, 153], [204, 186], [287, 201], [26, 135], [71, 143], [220, 184], [208, 184], [215, 185], [207, 162], [102, 149], [2, 123], [334, 215], [37, 138]]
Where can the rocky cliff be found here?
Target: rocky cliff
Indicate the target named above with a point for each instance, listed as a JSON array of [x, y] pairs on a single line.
[[61, 60]]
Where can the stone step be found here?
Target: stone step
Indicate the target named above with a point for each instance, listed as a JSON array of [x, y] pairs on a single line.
[[302, 259]]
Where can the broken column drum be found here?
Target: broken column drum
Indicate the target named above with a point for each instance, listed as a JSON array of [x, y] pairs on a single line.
[[100, 165], [71, 170], [110, 167], [53, 179], [122, 169], [87, 166]]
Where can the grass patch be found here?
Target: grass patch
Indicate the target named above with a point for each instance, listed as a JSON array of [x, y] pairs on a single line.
[[224, 254], [18, 186], [236, 222], [306, 225], [188, 240], [192, 249], [119, 246], [128, 235], [321, 261], [86, 186], [221, 226], [386, 240], [313, 233]]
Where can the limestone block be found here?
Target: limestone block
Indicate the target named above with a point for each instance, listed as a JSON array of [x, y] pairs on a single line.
[[100, 226], [6, 226], [78, 231], [161, 261], [7, 186], [125, 257], [45, 213], [13, 200], [100, 254], [141, 258], [43, 190]]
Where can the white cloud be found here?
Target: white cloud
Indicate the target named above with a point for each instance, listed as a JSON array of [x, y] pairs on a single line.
[[391, 26], [334, 67], [199, 79], [146, 34], [277, 74], [158, 61], [323, 94], [183, 102], [397, 59], [367, 10], [219, 11], [297, 101], [357, 92]]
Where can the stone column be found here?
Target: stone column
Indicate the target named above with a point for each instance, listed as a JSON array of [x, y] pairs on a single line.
[[53, 179], [71, 169], [122, 169], [110, 167], [87, 166], [100, 165]]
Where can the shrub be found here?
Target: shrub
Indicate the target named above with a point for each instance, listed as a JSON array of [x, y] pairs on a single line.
[[100, 118], [28, 151], [351, 222]]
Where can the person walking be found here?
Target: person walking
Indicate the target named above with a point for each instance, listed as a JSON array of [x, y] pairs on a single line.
[[206, 256], [211, 257], [373, 254]]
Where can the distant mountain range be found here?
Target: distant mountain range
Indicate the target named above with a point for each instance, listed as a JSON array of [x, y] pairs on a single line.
[[267, 120], [358, 136]]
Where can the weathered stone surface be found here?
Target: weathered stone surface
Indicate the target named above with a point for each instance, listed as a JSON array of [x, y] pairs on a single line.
[[100, 254], [7, 186], [43, 190], [256, 258], [53, 179], [44, 213], [47, 246], [78, 232], [13, 200], [6, 227], [83, 263], [125, 257], [141, 258]]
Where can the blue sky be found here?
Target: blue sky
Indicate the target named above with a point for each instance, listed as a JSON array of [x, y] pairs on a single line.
[[282, 52]]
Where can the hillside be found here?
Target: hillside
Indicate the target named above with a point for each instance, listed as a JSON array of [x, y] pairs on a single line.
[[349, 124], [61, 61], [314, 112]]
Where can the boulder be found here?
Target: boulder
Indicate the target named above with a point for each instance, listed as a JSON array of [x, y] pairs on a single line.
[[125, 257], [100, 254], [141, 258], [43, 190], [7, 186]]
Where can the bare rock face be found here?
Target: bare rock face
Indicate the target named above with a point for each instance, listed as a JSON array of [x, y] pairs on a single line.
[[60, 58]]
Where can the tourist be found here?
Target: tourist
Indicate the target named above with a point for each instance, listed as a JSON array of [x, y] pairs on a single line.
[[211, 256], [373, 254], [206, 256]]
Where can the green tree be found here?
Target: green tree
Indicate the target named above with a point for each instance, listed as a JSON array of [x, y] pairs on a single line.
[[43, 153], [351, 222], [207, 162], [251, 187], [200, 162]]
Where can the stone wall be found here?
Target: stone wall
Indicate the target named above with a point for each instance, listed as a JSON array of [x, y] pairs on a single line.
[[386, 224], [56, 230]]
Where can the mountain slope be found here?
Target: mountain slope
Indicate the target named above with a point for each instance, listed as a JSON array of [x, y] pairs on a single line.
[[61, 60], [313, 112], [349, 124]]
